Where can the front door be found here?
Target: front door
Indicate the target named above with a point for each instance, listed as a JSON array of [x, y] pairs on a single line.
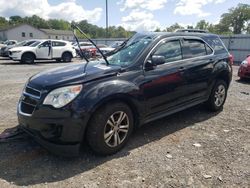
[[44, 50], [164, 84]]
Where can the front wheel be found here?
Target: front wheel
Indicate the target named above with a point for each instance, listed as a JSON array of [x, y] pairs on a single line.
[[110, 128], [28, 58], [218, 96]]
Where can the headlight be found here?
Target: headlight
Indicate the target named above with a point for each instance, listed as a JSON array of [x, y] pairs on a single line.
[[62, 96], [244, 63], [16, 51]]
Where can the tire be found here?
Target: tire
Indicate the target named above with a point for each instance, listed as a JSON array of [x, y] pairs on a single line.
[[66, 57], [218, 96], [102, 125], [28, 58]]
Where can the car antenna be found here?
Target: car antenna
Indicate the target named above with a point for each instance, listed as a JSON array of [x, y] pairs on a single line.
[[76, 27]]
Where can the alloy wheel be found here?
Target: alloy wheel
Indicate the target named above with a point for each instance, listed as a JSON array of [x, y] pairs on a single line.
[[220, 95], [116, 129]]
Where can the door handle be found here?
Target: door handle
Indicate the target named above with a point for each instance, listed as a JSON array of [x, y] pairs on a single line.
[[181, 68]]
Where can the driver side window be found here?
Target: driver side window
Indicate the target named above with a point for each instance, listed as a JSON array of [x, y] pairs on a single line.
[[170, 50], [45, 44]]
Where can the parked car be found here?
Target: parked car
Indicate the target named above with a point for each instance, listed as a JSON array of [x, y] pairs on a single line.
[[43, 49], [104, 49], [87, 49], [8, 43], [5, 50], [244, 69], [153, 75], [5, 45]]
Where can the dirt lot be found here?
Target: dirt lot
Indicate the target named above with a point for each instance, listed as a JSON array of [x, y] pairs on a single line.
[[193, 148]]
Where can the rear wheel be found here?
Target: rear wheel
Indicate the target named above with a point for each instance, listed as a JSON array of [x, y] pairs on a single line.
[[67, 57], [28, 58], [110, 128], [218, 96]]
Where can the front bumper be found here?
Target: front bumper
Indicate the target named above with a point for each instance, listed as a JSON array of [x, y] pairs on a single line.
[[244, 72], [58, 131], [15, 56]]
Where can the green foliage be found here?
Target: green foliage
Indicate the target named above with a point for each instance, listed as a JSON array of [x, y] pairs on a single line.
[[174, 27], [3, 22], [235, 21]]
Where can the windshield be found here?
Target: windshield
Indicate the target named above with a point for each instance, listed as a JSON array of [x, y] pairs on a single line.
[[133, 48], [35, 44]]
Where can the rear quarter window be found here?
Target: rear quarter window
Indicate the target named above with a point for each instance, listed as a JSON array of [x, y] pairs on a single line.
[[216, 44]]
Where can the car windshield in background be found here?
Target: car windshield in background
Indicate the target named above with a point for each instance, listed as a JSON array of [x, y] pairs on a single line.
[[128, 54], [35, 44]]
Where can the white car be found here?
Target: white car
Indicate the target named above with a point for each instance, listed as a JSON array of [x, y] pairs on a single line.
[[43, 49]]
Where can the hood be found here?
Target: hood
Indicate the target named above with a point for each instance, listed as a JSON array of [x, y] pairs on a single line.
[[72, 74], [21, 48]]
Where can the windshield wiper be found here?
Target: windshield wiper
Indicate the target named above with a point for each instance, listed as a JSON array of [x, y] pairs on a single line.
[[98, 49], [78, 45]]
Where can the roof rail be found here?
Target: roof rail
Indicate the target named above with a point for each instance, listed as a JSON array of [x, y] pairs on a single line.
[[191, 31]]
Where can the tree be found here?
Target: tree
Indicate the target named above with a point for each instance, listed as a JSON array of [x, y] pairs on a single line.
[[203, 25], [14, 20], [236, 19], [3, 22], [174, 27]]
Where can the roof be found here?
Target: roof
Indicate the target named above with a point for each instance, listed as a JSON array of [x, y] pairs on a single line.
[[169, 34], [47, 31], [57, 32], [14, 26]]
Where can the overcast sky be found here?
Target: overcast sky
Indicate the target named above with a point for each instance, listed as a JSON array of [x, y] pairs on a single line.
[[131, 14]]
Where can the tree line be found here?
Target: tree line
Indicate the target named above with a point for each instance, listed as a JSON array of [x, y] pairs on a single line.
[[235, 21]]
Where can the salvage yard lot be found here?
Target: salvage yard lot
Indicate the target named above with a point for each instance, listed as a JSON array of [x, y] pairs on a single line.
[[191, 148]]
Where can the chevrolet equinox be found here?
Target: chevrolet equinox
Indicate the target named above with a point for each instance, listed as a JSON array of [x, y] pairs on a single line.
[[101, 102]]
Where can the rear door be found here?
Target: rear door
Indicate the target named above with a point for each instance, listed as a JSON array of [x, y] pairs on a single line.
[[197, 71], [58, 48]]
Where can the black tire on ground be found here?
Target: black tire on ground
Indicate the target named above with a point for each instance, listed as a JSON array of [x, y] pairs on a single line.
[[28, 58], [66, 57], [102, 137], [218, 96]]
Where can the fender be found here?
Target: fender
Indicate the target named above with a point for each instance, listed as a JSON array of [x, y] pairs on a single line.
[[112, 90]]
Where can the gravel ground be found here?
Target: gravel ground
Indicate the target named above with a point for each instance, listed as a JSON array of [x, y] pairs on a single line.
[[193, 148]]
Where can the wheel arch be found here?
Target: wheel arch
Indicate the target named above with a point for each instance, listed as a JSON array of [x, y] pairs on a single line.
[[27, 52], [123, 98]]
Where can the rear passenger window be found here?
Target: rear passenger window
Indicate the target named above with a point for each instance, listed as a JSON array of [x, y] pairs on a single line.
[[194, 48], [56, 43], [170, 50]]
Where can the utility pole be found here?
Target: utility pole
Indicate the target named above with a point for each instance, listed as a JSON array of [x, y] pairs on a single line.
[[107, 24]]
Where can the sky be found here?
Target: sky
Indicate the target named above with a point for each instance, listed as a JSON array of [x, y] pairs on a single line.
[[138, 15]]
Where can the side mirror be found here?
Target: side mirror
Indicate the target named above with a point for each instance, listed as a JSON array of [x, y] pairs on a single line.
[[154, 61], [158, 59], [39, 46]]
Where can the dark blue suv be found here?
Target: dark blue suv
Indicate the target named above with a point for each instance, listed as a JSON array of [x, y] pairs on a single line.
[[149, 77]]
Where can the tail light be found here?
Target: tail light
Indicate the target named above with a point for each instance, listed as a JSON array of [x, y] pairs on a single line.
[[231, 59]]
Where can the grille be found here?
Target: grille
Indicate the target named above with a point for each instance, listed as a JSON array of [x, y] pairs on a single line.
[[29, 100], [27, 108], [32, 92]]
